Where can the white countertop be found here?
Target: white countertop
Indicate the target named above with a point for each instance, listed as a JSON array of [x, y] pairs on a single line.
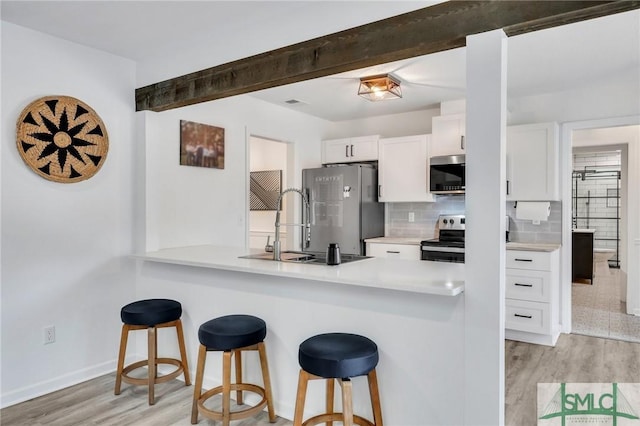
[[417, 276], [396, 240], [532, 246], [587, 231]]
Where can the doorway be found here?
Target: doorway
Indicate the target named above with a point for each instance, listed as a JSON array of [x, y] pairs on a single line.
[[269, 174], [600, 210]]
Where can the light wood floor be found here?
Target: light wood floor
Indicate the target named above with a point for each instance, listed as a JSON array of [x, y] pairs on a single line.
[[574, 359]]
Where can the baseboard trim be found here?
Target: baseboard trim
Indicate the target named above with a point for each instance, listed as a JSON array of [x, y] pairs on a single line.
[[45, 387], [538, 339]]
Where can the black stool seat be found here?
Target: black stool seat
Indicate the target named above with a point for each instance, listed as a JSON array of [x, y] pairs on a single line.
[[151, 312], [338, 355], [232, 335], [232, 332], [150, 315]]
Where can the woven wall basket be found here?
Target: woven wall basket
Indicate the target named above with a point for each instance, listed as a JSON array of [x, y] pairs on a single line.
[[62, 139]]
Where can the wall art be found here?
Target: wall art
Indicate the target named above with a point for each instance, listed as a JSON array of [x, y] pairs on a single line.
[[62, 139], [265, 189], [201, 145]]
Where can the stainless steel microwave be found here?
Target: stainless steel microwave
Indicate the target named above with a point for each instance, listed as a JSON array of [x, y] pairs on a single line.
[[446, 174]]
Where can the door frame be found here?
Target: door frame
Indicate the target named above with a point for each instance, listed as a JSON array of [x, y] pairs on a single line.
[[633, 204]]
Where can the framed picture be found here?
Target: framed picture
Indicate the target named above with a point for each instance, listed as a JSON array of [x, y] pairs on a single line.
[[201, 145], [265, 189]]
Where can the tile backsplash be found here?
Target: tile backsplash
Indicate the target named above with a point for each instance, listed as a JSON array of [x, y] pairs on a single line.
[[425, 216], [524, 231]]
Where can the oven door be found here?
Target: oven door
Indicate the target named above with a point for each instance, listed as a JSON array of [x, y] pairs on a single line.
[[442, 254]]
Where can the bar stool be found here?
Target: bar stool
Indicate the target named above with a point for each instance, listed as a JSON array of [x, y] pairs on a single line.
[[232, 334], [151, 314], [338, 356]]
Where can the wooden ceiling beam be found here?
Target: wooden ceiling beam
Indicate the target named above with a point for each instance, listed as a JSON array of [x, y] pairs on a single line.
[[433, 29]]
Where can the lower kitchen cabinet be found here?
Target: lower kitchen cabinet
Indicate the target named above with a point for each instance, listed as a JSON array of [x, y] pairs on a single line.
[[396, 251], [532, 296]]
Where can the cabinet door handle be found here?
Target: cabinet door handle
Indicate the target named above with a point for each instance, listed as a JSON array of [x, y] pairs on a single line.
[[461, 141], [393, 252], [523, 260], [379, 191], [346, 150], [523, 285], [352, 150], [523, 316], [508, 187]]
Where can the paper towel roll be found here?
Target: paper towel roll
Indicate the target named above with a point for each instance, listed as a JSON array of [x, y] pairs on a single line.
[[533, 210]]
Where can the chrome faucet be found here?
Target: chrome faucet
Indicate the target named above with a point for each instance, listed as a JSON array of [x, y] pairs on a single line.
[[305, 225]]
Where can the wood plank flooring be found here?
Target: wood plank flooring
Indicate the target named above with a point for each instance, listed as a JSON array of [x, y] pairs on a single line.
[[574, 359]]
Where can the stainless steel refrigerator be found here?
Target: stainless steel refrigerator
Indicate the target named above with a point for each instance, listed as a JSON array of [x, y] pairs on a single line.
[[344, 206]]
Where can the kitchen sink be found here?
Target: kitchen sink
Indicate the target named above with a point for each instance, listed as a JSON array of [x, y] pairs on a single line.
[[311, 258]]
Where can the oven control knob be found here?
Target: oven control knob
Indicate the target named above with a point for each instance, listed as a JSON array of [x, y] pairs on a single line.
[[445, 221]]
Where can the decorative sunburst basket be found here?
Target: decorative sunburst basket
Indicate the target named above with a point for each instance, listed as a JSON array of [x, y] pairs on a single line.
[[62, 139]]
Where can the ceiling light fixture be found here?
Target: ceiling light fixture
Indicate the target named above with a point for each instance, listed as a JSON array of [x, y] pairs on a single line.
[[380, 87]]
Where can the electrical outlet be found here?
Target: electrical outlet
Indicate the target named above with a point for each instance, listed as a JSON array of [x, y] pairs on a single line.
[[49, 334], [412, 217]]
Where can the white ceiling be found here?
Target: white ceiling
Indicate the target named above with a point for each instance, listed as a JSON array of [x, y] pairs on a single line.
[[562, 58]]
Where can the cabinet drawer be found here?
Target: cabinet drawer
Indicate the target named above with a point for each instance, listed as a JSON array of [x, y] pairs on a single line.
[[528, 285], [397, 251], [533, 317], [522, 259]]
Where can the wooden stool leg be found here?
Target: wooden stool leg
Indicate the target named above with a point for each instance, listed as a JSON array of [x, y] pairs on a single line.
[[303, 379], [183, 353], [347, 402], [124, 337], [151, 361], [331, 386], [267, 381], [226, 388], [375, 397], [202, 355], [238, 355]]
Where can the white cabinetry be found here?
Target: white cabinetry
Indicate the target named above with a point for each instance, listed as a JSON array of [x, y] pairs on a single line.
[[448, 135], [533, 162], [396, 251], [403, 169], [349, 150], [532, 296]]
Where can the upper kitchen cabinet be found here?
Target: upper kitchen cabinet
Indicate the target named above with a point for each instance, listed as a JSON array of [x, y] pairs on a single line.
[[403, 168], [448, 135], [533, 162], [350, 150]]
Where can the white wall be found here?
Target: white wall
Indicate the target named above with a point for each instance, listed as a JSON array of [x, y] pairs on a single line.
[[192, 205], [64, 246], [387, 126]]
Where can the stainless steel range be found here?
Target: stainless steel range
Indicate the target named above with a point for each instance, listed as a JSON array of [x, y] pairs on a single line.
[[449, 244]]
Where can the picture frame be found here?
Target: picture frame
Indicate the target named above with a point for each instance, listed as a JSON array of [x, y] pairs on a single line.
[[201, 145], [265, 187]]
